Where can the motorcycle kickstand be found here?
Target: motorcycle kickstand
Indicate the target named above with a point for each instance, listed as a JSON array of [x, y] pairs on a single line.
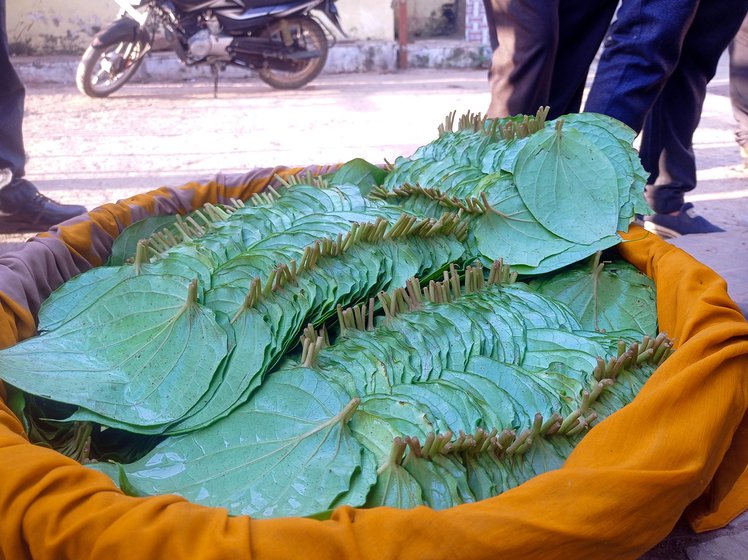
[[214, 69]]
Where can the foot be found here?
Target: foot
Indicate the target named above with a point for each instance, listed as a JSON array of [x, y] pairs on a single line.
[[24, 208], [683, 222]]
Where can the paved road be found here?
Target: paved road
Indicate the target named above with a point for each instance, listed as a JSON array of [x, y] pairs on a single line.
[[95, 151]]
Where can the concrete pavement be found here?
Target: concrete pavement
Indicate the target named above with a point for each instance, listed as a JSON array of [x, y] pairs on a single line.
[[170, 130]]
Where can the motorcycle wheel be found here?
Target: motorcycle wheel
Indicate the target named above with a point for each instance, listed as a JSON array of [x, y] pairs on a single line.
[[106, 68], [307, 34]]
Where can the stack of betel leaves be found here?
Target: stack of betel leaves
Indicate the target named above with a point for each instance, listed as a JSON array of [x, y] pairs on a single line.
[[434, 332]]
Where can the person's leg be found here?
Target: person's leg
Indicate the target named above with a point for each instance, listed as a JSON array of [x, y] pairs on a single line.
[[666, 144], [544, 52], [522, 65], [739, 87], [582, 27], [24, 208], [12, 154], [641, 51]]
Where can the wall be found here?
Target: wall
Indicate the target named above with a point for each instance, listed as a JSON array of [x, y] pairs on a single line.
[[66, 26], [62, 26], [425, 18], [367, 19]]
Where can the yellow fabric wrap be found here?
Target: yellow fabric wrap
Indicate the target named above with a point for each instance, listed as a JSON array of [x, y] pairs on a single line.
[[680, 447]]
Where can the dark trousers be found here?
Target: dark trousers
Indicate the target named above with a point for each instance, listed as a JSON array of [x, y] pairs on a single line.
[[12, 92], [652, 75], [542, 52], [739, 83]]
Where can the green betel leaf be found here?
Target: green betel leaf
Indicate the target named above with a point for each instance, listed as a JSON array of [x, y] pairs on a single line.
[[84, 290], [16, 401], [361, 173], [124, 245], [78, 293], [111, 360], [452, 408], [527, 396], [498, 405], [620, 130], [568, 184], [443, 480], [395, 487], [361, 483], [244, 368], [610, 145], [546, 346], [605, 297], [615, 139], [481, 480], [571, 255], [511, 232], [380, 418], [287, 451]]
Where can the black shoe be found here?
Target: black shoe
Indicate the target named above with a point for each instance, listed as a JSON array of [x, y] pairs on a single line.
[[685, 222], [24, 208]]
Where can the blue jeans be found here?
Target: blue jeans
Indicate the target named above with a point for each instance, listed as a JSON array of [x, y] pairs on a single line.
[[739, 83], [12, 92], [653, 72]]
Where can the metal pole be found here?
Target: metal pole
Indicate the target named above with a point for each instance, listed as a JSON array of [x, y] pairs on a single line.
[[402, 34]]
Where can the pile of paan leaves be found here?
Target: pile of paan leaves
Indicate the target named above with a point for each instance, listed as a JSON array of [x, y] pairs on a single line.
[[433, 333]]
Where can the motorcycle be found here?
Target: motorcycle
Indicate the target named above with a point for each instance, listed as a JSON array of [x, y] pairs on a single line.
[[281, 40]]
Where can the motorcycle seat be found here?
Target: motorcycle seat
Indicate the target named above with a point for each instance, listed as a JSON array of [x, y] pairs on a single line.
[[192, 5]]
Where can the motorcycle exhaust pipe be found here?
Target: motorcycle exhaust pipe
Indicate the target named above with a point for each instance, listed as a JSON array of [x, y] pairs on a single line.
[[262, 48]]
